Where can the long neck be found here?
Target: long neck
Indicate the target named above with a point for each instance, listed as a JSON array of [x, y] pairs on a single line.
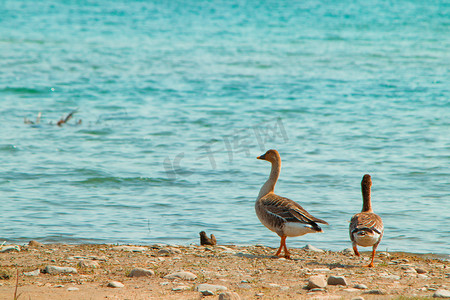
[[367, 204], [269, 186]]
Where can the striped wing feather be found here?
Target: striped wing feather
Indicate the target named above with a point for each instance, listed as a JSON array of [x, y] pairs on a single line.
[[287, 209]]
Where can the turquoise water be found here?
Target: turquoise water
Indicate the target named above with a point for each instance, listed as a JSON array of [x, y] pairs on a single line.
[[177, 100]]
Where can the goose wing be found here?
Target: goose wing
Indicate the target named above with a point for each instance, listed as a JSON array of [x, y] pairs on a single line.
[[366, 221], [287, 209]]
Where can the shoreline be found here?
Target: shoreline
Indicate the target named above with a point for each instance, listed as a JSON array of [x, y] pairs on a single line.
[[84, 271]]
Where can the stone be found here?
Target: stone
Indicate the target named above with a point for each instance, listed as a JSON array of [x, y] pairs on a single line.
[[140, 272], [32, 273], [421, 271], [391, 277], [229, 296], [374, 292], [115, 284], [441, 293], [88, 264], [313, 249], [163, 252], [35, 244], [210, 287], [422, 276], [54, 270], [358, 298], [207, 293], [360, 286], [317, 281], [323, 270], [72, 289], [180, 288], [347, 251], [129, 248], [337, 280], [183, 275], [244, 286], [10, 248], [351, 290]]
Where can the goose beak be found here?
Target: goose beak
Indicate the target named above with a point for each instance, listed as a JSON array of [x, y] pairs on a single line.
[[261, 157]]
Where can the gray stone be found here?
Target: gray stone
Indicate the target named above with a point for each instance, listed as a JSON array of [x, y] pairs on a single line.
[[374, 292], [184, 275], [337, 280], [210, 287], [244, 286], [72, 289], [351, 290], [140, 272], [347, 251], [163, 252], [180, 288], [441, 293], [32, 273], [88, 264], [207, 293], [229, 296], [360, 286], [53, 270], [317, 281], [313, 249], [115, 284], [35, 244], [129, 248]]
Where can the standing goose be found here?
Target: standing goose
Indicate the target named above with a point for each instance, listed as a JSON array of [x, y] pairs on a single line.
[[366, 228], [282, 215]]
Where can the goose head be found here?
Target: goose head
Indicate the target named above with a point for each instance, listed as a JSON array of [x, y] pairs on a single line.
[[271, 155]]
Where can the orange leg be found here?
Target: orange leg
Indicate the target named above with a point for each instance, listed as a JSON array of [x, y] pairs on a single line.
[[374, 248], [355, 249], [283, 245]]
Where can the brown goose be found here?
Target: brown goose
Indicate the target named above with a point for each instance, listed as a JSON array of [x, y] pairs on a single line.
[[366, 228], [282, 215]]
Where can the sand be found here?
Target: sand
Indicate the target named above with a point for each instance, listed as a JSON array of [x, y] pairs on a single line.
[[252, 272]]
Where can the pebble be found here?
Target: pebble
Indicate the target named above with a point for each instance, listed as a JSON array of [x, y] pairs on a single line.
[[317, 281], [210, 287], [351, 290], [229, 296], [244, 286], [207, 293], [422, 276], [88, 264], [360, 286], [441, 293], [324, 270], [391, 277], [374, 292], [337, 280], [347, 251], [129, 248], [115, 284], [72, 289], [421, 271], [163, 252], [53, 270], [140, 272], [358, 298], [184, 275], [313, 249], [10, 248], [181, 288], [32, 273]]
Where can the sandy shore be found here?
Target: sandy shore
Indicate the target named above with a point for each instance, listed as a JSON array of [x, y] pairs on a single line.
[[244, 272]]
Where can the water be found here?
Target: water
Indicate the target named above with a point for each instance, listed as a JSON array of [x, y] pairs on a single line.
[[177, 99]]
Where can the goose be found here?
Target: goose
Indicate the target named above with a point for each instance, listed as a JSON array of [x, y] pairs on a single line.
[[366, 228], [281, 215]]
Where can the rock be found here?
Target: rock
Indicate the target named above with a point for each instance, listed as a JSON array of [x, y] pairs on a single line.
[[441, 293], [347, 251], [210, 287], [73, 289], [421, 271], [358, 298], [54, 270], [10, 248], [180, 288], [360, 286], [351, 290], [35, 244], [374, 292], [391, 277], [32, 273], [337, 280], [184, 275], [129, 248], [244, 286], [324, 270], [317, 281], [88, 264], [140, 272], [163, 252], [207, 293], [229, 296], [313, 249], [422, 276], [115, 284]]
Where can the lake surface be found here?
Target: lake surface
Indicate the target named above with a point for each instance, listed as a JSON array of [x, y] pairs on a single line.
[[177, 99]]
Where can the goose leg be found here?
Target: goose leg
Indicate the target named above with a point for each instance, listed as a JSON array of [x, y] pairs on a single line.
[[287, 254], [282, 242], [374, 248], [355, 249]]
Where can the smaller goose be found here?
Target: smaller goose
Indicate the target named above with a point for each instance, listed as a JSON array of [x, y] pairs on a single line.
[[366, 228], [282, 215]]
